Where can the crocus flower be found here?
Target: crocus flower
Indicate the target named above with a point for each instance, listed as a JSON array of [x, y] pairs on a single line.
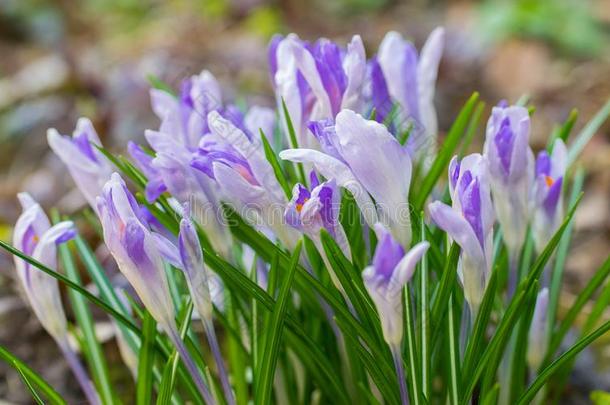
[[139, 254], [311, 212], [185, 117], [191, 258], [511, 167], [391, 269], [362, 156], [470, 223], [546, 196], [384, 280], [246, 179], [409, 80], [87, 166], [317, 80], [35, 237], [537, 339]]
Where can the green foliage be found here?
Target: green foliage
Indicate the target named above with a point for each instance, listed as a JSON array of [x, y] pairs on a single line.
[[307, 337]]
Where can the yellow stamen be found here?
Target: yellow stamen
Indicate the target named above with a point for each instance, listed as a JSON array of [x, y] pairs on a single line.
[[300, 206]]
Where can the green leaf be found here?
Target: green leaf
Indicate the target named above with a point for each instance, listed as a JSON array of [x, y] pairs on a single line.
[[421, 193], [424, 316], [477, 336], [275, 164], [473, 126], [454, 354], [583, 138], [144, 387], [168, 380], [91, 347], [492, 353], [561, 256], [69, 283], [31, 377], [159, 84], [293, 138], [28, 385], [445, 286], [273, 338], [414, 369], [600, 275], [564, 131], [566, 357]]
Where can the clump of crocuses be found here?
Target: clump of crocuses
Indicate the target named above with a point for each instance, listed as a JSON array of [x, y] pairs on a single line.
[[378, 307]]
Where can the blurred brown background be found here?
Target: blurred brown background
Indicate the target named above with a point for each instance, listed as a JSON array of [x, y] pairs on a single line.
[[64, 59]]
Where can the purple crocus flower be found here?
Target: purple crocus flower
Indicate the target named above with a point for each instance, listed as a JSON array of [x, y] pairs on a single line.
[[511, 167], [317, 80], [547, 207], [87, 166], [237, 163], [384, 280], [470, 223], [310, 212], [135, 249], [139, 254], [537, 339], [34, 236], [391, 269], [409, 80], [191, 258], [185, 117], [362, 156]]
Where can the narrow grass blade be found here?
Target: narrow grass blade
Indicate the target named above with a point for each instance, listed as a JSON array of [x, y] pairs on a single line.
[[562, 254], [563, 132], [91, 347], [275, 164], [29, 386], [587, 133], [293, 139], [424, 317], [414, 369], [168, 380], [454, 354], [473, 127], [32, 377], [477, 336], [144, 386], [566, 357], [445, 287], [69, 283], [492, 354], [420, 194], [159, 84], [274, 334], [597, 280]]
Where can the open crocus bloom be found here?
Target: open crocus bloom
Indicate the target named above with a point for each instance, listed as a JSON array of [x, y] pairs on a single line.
[[310, 212], [470, 223], [546, 197], [385, 278], [511, 167], [35, 236], [135, 249], [87, 166], [402, 78], [317, 80], [363, 157], [236, 162]]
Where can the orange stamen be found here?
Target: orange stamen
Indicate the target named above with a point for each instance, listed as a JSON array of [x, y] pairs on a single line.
[[549, 181]]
